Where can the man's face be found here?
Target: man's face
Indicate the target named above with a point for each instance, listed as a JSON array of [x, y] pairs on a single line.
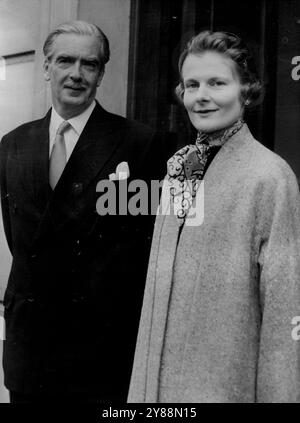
[[73, 70]]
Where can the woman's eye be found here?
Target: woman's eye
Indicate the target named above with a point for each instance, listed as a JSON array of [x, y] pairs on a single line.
[[191, 85]]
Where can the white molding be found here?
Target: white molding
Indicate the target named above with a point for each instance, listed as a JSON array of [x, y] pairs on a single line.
[[52, 13]]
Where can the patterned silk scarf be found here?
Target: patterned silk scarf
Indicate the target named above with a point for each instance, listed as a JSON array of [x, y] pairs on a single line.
[[186, 167]]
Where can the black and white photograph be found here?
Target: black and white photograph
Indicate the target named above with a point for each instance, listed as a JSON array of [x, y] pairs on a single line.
[[150, 205]]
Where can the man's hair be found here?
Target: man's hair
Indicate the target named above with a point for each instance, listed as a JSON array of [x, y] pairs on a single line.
[[232, 47], [79, 28]]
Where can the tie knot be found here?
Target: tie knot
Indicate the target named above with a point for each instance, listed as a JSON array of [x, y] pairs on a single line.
[[63, 127]]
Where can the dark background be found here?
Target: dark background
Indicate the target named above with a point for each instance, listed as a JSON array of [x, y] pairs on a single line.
[[271, 29]]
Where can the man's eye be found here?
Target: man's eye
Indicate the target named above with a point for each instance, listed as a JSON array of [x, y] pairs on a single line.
[[90, 65], [216, 83], [64, 60]]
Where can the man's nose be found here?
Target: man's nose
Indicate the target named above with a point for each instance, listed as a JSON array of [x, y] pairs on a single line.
[[75, 72]]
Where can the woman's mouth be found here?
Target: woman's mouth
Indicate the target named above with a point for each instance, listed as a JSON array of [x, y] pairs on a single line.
[[205, 112]]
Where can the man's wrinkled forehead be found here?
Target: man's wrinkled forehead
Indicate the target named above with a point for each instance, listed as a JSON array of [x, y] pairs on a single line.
[[76, 46]]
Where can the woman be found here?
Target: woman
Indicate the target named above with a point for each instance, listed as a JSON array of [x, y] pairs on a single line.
[[216, 323]]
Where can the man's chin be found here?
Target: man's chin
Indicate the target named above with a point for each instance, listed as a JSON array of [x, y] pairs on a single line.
[[73, 101], [70, 93], [73, 107]]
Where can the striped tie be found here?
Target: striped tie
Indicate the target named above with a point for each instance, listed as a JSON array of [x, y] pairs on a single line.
[[58, 156]]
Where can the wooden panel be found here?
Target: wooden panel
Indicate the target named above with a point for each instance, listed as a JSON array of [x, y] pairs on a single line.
[[287, 142], [160, 31], [147, 47]]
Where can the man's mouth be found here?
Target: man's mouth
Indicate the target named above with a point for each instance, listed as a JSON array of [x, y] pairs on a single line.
[[70, 87]]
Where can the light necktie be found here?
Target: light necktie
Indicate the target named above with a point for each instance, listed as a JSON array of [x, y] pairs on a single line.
[[58, 156]]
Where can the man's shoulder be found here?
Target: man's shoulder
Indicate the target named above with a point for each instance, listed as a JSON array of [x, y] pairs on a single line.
[[25, 129], [129, 124]]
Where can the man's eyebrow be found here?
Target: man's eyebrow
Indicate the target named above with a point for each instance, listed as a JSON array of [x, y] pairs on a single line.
[[92, 59], [65, 56]]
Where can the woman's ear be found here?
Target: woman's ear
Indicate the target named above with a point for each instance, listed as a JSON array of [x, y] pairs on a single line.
[[244, 95]]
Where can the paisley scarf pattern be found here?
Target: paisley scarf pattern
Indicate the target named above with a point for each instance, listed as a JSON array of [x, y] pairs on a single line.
[[186, 167]]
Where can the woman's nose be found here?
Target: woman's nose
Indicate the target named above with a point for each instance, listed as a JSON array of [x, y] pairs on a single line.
[[202, 93]]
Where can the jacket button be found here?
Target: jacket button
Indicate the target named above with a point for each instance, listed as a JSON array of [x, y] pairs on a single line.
[[78, 298], [30, 299], [77, 188]]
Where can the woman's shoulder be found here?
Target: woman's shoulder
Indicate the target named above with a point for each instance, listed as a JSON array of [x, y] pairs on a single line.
[[268, 169], [256, 158], [255, 164], [269, 162]]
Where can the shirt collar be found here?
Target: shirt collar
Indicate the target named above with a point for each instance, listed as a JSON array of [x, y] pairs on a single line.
[[77, 122]]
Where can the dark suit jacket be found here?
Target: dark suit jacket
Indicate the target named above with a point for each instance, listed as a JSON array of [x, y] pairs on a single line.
[[74, 293]]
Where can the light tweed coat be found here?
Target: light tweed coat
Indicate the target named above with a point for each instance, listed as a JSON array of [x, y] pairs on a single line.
[[238, 345]]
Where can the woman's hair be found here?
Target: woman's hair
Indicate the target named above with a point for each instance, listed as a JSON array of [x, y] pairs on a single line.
[[79, 28], [231, 46]]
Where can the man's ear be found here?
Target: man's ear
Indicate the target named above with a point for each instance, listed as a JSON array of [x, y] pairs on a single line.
[[100, 78], [46, 70]]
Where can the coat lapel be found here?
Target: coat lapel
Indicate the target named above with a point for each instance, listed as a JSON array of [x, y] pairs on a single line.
[[165, 241], [95, 147], [34, 158]]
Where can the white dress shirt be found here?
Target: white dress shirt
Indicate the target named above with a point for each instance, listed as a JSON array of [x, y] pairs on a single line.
[[73, 133]]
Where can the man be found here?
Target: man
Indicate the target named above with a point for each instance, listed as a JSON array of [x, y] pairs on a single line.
[[74, 293]]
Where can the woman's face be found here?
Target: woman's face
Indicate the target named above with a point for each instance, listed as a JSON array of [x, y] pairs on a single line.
[[212, 91]]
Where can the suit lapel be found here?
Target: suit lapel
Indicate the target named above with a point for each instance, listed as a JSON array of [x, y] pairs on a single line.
[[34, 158], [95, 147]]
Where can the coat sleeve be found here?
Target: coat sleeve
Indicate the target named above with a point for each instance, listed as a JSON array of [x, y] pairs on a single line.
[[4, 191], [278, 372]]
